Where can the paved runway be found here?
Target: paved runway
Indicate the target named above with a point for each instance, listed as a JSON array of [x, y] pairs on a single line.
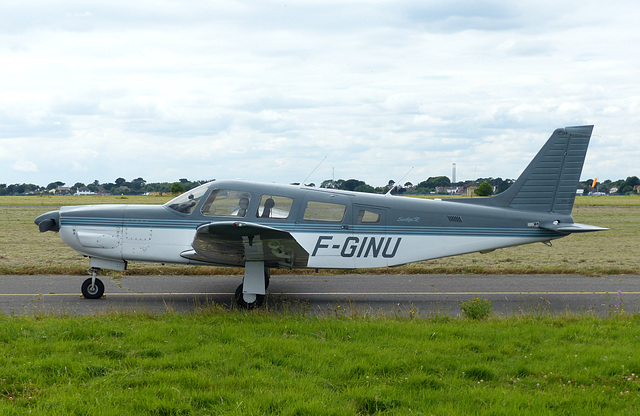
[[425, 295]]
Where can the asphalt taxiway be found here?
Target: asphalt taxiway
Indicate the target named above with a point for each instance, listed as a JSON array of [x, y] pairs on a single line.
[[424, 295]]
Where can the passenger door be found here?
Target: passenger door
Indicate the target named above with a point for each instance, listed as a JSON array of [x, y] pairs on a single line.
[[370, 230], [325, 229]]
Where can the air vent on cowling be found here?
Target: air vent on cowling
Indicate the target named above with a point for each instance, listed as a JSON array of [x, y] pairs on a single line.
[[454, 218]]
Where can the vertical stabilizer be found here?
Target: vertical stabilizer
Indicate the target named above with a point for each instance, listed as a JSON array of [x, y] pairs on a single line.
[[550, 181]]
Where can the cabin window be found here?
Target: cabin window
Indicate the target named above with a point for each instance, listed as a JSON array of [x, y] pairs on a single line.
[[227, 203], [368, 217], [324, 211], [187, 202], [276, 207]]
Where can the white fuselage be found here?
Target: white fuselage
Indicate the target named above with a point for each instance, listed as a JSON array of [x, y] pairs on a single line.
[[345, 251]]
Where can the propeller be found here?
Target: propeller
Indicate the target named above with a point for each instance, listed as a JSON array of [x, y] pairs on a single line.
[[46, 225], [49, 221]]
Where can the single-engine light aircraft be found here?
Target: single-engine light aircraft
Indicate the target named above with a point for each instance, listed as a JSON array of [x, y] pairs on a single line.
[[260, 226]]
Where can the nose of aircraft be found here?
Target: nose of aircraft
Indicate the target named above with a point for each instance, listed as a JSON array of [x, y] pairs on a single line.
[[49, 221]]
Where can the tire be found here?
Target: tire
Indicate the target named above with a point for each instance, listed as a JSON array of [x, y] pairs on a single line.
[[244, 304], [92, 291], [267, 277]]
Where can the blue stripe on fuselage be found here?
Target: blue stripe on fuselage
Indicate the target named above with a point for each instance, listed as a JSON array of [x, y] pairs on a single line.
[[68, 220]]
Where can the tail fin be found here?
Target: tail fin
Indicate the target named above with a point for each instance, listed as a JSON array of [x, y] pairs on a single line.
[[550, 181]]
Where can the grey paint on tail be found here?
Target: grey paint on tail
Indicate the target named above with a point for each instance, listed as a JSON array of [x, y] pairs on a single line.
[[550, 181]]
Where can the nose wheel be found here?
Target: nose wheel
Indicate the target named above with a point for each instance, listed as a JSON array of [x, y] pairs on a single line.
[[93, 288]]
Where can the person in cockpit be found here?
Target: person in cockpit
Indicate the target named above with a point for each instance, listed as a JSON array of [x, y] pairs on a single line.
[[268, 205], [243, 204]]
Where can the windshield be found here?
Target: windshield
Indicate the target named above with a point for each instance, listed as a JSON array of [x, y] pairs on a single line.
[[186, 202]]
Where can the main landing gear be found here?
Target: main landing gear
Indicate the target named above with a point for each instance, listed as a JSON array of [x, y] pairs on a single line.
[[251, 292], [93, 288]]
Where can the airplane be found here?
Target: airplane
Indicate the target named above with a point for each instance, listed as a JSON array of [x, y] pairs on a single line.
[[260, 226]]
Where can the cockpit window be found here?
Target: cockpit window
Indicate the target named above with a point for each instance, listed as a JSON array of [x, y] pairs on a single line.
[[186, 202], [227, 203], [277, 207]]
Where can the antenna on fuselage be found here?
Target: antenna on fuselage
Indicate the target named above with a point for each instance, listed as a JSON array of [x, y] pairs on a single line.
[[314, 169], [400, 181]]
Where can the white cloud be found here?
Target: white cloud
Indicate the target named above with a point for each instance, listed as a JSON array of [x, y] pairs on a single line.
[[24, 166], [263, 90]]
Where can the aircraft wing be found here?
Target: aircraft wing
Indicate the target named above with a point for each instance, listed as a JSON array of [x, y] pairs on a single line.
[[232, 243]]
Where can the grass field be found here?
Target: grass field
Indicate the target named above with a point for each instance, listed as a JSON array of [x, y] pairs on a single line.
[[228, 362], [23, 250]]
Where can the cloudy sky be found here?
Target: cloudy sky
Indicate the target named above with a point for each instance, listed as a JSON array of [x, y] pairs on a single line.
[[264, 90]]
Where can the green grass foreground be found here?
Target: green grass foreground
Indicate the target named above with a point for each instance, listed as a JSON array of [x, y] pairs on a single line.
[[251, 363]]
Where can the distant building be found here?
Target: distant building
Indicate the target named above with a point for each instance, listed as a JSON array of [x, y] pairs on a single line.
[[62, 190], [83, 190], [451, 190]]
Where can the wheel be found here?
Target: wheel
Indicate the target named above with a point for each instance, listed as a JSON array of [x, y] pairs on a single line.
[[239, 298], [267, 277], [90, 291]]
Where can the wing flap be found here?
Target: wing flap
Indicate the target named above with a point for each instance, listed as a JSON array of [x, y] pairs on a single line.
[[233, 243]]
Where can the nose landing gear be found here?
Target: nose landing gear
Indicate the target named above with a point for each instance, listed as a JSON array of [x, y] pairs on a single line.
[[93, 288]]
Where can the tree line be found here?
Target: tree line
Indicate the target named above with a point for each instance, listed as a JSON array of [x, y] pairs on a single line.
[[120, 186], [431, 185]]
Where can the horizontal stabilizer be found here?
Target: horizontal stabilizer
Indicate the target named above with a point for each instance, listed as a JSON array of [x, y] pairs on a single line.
[[573, 228]]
